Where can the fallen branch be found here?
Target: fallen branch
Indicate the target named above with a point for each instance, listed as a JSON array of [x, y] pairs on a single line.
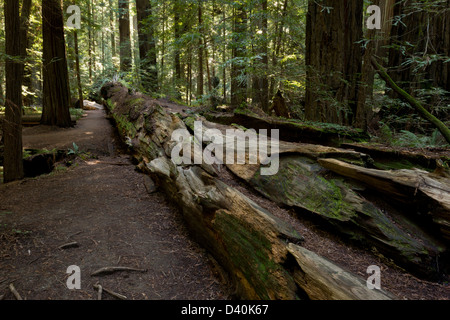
[[14, 292], [99, 288], [69, 245], [109, 270], [112, 293]]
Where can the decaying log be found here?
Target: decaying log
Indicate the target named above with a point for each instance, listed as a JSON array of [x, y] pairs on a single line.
[[426, 191], [290, 129], [249, 242], [301, 182]]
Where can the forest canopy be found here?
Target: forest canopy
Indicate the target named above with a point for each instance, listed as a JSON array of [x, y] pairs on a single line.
[[313, 56]]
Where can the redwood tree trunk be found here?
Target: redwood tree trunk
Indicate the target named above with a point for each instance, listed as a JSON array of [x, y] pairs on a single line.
[[238, 84], [125, 39], [200, 79], [13, 165], [77, 67], [260, 82], [333, 60], [56, 93]]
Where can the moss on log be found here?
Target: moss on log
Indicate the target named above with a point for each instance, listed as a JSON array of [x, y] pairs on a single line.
[[302, 182], [250, 243]]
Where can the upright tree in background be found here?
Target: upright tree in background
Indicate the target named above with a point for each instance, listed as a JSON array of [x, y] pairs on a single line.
[[260, 81], [178, 30], [239, 52], [16, 28], [147, 46], [77, 68], [333, 60], [13, 167], [125, 35], [201, 49], [419, 45], [56, 93]]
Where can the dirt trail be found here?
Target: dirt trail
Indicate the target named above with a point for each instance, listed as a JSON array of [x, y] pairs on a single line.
[[102, 204]]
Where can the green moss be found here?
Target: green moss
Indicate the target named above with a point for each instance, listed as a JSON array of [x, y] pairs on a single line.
[[110, 105], [135, 101], [189, 122], [397, 165], [125, 127], [250, 251], [298, 183]]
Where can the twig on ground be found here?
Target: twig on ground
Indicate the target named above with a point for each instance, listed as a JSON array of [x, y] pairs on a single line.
[[114, 294], [69, 245], [99, 288], [14, 292], [109, 270]]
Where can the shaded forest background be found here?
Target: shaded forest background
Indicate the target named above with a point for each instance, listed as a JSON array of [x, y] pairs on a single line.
[[313, 56]]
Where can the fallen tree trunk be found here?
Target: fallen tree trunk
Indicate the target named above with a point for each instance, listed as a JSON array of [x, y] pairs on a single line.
[[249, 242], [302, 182], [290, 129], [427, 192]]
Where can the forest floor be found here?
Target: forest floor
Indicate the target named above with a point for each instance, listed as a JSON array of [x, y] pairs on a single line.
[[102, 203]]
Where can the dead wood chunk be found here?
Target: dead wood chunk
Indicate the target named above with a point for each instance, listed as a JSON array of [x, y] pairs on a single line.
[[323, 280], [150, 185], [279, 105]]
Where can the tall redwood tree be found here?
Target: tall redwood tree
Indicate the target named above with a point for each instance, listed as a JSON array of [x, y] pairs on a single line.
[[56, 93], [15, 43]]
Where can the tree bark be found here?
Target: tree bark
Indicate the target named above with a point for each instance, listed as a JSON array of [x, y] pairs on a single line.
[[12, 127], [238, 81], [125, 36], [77, 69], [260, 82], [56, 92], [200, 77], [177, 55], [333, 60]]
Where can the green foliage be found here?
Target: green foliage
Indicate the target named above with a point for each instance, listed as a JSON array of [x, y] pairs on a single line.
[[405, 138], [74, 151]]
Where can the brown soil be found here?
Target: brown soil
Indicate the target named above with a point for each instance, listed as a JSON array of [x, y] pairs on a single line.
[[101, 203]]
